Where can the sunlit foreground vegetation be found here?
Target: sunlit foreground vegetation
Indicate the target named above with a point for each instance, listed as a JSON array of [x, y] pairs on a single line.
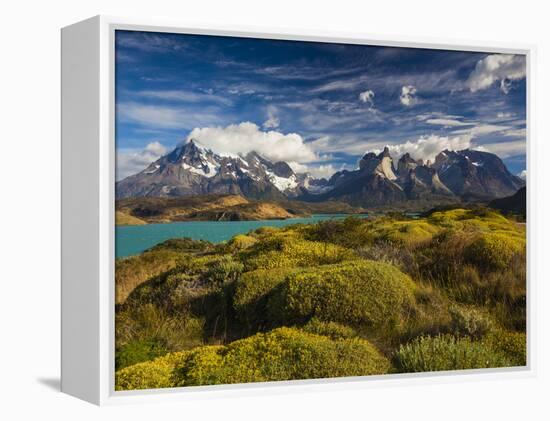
[[352, 297]]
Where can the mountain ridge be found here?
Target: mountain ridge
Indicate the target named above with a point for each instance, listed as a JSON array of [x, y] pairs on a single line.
[[192, 169]]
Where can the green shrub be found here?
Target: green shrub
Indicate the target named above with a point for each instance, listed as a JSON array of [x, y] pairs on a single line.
[[358, 292], [431, 315], [203, 365], [266, 231], [172, 256], [252, 291], [149, 324], [494, 251], [224, 270], [512, 344], [282, 354], [350, 232], [383, 251], [148, 375], [241, 242], [446, 352], [138, 351], [183, 245], [331, 329], [288, 249], [130, 272], [467, 320], [406, 233], [444, 217]]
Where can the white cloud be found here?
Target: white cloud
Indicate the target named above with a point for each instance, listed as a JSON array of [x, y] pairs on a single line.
[[427, 147], [522, 174], [516, 133], [408, 95], [149, 42], [505, 85], [317, 171], [447, 122], [367, 97], [482, 129], [507, 149], [131, 161], [505, 115], [497, 67], [245, 137], [186, 96], [155, 116], [247, 88], [338, 85], [272, 121]]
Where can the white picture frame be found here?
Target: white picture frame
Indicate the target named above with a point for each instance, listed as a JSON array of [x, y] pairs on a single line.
[[88, 181]]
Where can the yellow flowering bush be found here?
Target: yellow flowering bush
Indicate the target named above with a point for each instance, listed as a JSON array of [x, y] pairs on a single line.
[[493, 251], [282, 354], [358, 292], [241, 242], [289, 250], [148, 375], [331, 329], [252, 290]]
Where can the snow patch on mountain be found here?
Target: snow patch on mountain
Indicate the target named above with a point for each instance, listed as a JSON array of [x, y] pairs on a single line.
[[283, 184]]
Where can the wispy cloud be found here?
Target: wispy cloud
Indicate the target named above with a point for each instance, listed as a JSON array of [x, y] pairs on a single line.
[[304, 72], [272, 121], [132, 161], [507, 149], [317, 171], [516, 133], [447, 122], [185, 96], [149, 42], [155, 116], [503, 68], [482, 129], [339, 85]]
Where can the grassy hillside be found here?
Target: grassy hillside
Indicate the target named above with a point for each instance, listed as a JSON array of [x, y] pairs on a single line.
[[218, 208], [210, 208], [134, 270], [122, 218], [336, 298]]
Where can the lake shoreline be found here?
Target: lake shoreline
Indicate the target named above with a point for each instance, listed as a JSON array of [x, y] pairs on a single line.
[[135, 239]]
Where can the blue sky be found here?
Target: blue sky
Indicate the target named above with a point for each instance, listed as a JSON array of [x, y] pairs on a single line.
[[318, 106]]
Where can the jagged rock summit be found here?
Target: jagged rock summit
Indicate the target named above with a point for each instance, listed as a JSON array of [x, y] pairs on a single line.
[[193, 169], [454, 175]]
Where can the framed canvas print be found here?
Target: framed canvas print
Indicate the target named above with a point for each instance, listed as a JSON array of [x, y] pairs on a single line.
[[246, 210]]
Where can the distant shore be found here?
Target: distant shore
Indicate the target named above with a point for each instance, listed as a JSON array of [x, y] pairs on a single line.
[[140, 211]]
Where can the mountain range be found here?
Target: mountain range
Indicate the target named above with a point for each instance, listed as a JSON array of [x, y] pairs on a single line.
[[192, 169]]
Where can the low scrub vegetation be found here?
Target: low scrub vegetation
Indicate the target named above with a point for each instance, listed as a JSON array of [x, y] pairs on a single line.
[[282, 354], [447, 352], [446, 291], [358, 292]]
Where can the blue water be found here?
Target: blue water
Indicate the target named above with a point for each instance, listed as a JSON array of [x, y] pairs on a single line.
[[133, 239]]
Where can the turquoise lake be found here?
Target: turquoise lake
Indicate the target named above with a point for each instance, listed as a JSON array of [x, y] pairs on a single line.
[[134, 239]]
